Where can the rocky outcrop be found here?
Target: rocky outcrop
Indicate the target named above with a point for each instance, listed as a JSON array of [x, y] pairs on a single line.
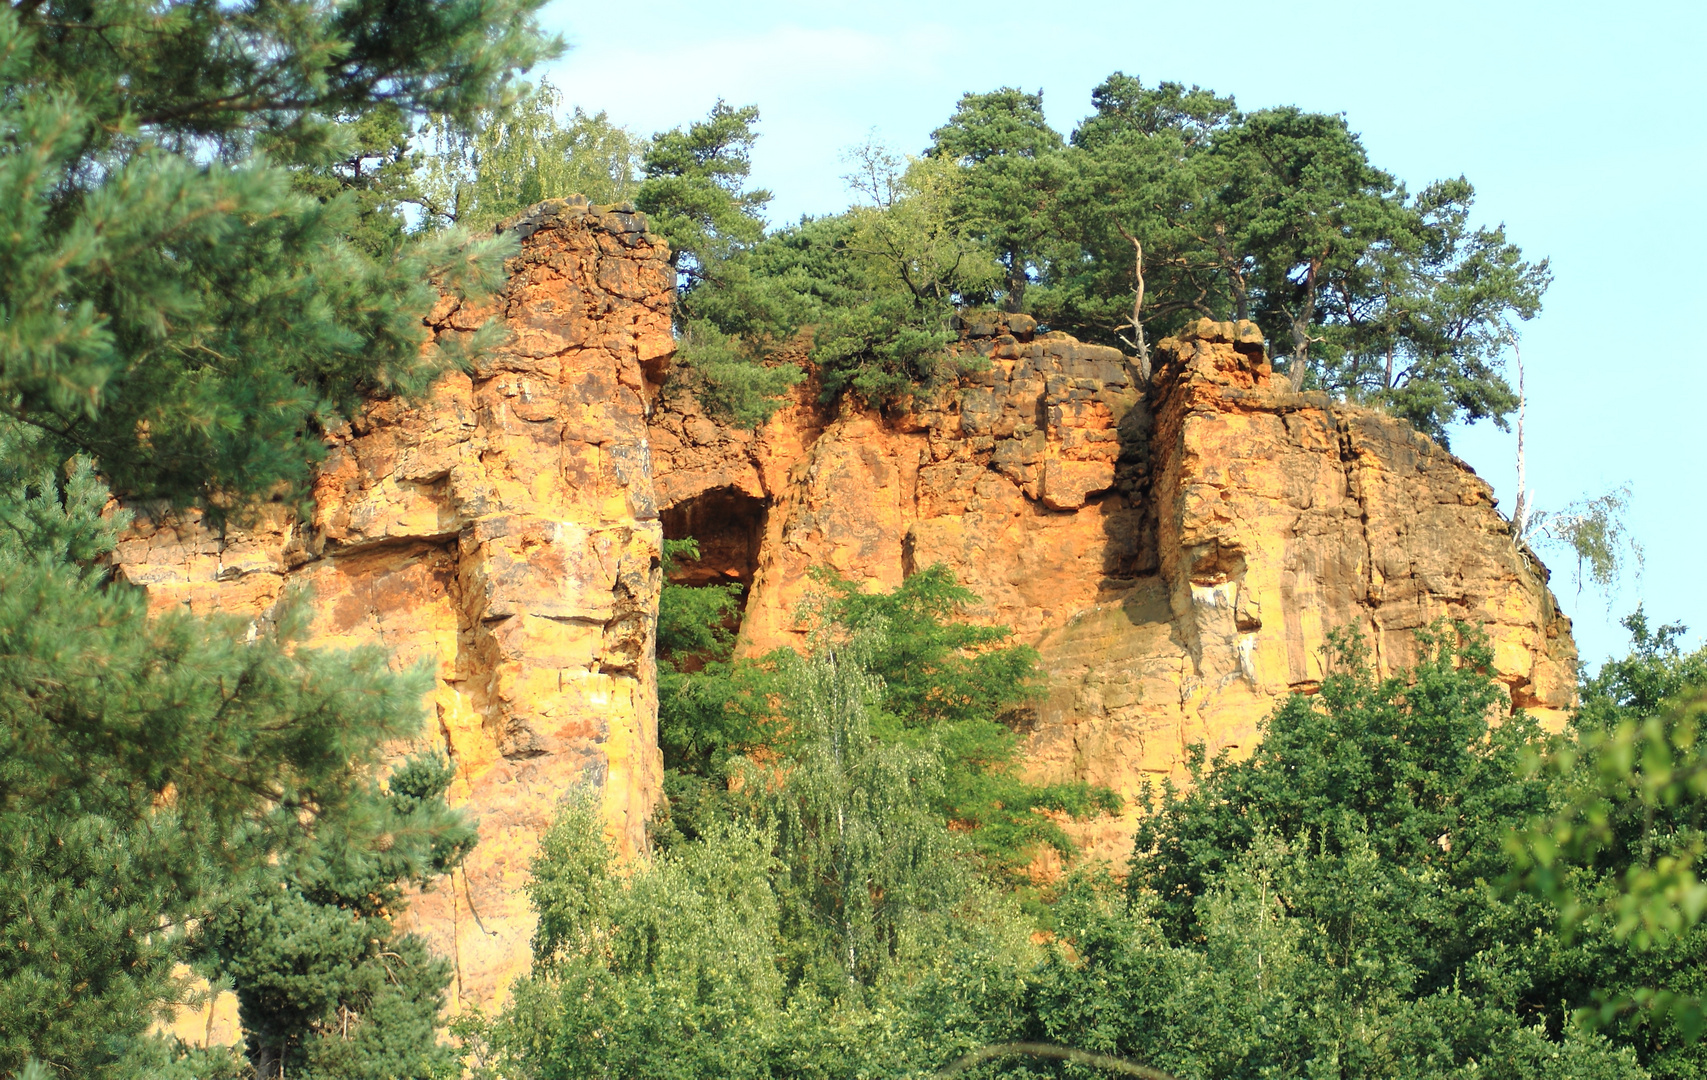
[[506, 533], [1176, 550], [1012, 478], [1177, 553]]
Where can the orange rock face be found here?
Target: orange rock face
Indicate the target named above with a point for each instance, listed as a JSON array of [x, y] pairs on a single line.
[[506, 533], [1177, 553]]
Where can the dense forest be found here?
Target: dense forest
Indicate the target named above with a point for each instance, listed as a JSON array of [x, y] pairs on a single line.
[[223, 226]]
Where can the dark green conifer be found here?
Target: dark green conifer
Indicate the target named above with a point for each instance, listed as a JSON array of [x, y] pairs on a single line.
[[191, 289]]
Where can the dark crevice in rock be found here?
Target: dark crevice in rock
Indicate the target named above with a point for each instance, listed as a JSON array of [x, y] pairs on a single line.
[[729, 527]]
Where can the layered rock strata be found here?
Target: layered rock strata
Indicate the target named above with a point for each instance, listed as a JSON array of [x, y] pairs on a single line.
[[1177, 553], [504, 532]]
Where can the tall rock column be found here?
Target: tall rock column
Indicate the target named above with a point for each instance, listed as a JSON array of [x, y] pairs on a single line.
[[1281, 516], [506, 533]]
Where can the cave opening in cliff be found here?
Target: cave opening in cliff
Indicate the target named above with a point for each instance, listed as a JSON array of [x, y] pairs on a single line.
[[729, 527]]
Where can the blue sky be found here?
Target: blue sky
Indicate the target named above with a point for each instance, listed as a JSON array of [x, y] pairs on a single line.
[[1580, 124]]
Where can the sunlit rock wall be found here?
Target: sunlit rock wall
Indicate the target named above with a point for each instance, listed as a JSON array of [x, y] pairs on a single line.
[[1176, 549], [1177, 552], [505, 532]]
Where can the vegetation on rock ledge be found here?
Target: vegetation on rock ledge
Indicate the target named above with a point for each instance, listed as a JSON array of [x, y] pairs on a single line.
[[211, 257]]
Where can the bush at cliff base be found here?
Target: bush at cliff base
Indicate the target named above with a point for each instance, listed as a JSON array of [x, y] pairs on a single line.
[[1342, 902], [943, 686]]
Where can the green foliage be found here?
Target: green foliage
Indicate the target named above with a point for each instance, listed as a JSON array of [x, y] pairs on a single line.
[[732, 378], [956, 687], [174, 306], [723, 708], [1595, 533], [1620, 854], [824, 927], [868, 296], [154, 770], [521, 153], [1167, 200], [1407, 766], [944, 687], [1418, 325], [696, 196], [695, 192], [1326, 903], [667, 971], [934, 668], [1327, 906], [1278, 216], [371, 164], [862, 294], [1138, 171], [1264, 989], [709, 707], [326, 985], [204, 267], [1012, 170], [903, 264], [1126, 108], [693, 620], [863, 854]]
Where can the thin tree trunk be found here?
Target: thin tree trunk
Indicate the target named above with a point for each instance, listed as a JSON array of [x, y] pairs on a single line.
[[1520, 511], [1235, 276], [1016, 283], [1301, 330], [1137, 341]]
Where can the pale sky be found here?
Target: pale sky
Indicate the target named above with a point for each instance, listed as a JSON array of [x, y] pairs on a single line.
[[1579, 123]]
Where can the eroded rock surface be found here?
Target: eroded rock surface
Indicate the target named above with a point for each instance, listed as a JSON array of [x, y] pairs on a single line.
[[1177, 556], [1177, 551], [506, 533]]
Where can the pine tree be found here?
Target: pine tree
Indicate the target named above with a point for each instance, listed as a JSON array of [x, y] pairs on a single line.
[[186, 301], [326, 985], [174, 306], [156, 771]]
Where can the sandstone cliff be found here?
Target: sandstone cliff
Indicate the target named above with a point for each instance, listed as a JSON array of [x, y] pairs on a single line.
[[1176, 550], [505, 531]]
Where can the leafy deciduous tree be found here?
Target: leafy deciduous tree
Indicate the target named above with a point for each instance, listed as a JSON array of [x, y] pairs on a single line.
[[521, 153]]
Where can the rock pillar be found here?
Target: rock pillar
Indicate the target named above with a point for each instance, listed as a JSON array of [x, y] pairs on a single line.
[[506, 533]]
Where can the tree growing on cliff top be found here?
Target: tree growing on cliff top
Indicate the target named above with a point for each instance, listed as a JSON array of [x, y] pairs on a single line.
[[1013, 171], [1279, 216], [522, 152], [1362, 289], [695, 193]]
